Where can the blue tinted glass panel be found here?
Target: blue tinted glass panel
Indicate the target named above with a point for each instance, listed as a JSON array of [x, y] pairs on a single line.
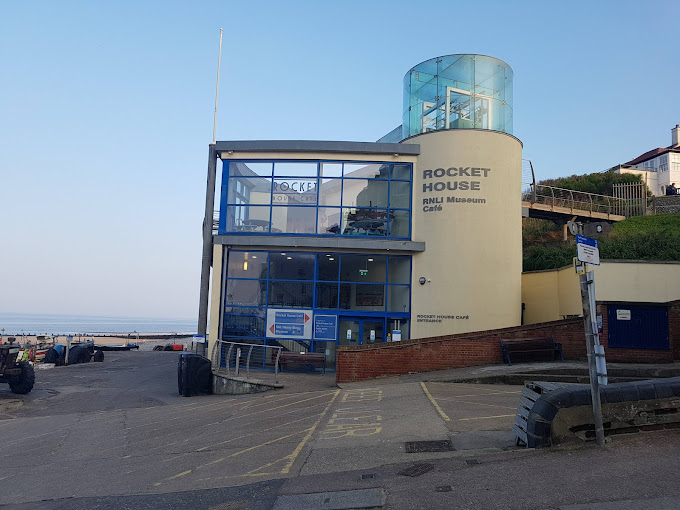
[[244, 264], [400, 172], [364, 193], [363, 268], [330, 192], [366, 222], [399, 270], [291, 266], [291, 294], [250, 168], [289, 191], [327, 295], [246, 190], [296, 169], [293, 220], [329, 220], [243, 322], [400, 223], [247, 218], [366, 170], [400, 194], [328, 265], [246, 292], [398, 298]]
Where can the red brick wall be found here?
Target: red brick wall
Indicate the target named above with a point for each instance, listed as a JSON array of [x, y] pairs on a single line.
[[483, 348], [437, 353]]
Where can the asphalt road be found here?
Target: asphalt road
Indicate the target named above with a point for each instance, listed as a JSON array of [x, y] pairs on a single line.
[[117, 435]]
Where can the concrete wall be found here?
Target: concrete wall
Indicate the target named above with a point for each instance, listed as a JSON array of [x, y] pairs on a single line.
[[215, 299], [473, 256], [551, 295]]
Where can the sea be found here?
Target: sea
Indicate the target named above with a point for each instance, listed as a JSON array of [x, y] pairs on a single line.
[[34, 324]]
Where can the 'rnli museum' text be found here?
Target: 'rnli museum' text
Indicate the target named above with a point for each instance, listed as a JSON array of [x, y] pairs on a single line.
[[323, 244]]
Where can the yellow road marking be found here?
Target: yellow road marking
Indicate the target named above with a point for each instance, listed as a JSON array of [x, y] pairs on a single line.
[[256, 412], [297, 450], [291, 458], [259, 431], [434, 403], [487, 417]]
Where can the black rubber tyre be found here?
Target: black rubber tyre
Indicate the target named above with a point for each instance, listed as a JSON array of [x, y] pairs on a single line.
[[61, 361], [168, 347], [158, 348], [51, 356], [22, 384], [78, 354], [99, 356]]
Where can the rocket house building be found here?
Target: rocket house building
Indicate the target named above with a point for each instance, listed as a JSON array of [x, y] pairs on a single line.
[[322, 244]]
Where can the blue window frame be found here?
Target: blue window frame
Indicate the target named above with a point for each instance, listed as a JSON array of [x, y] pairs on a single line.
[[327, 198], [345, 284]]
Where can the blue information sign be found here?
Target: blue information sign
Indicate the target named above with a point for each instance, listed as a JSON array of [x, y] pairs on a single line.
[[587, 250], [290, 318], [325, 327], [289, 329]]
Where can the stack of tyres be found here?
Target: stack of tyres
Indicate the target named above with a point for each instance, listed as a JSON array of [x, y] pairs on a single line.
[[194, 375]]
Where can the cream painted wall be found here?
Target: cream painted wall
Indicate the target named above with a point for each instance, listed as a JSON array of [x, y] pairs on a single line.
[[473, 251], [215, 298], [644, 282], [550, 295]]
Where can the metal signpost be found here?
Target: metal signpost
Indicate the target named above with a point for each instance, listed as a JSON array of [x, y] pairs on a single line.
[[588, 252]]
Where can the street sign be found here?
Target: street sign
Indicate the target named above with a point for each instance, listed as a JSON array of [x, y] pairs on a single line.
[[587, 250], [289, 323]]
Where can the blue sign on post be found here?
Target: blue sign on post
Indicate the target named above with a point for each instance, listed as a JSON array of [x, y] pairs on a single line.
[[587, 250], [325, 327]]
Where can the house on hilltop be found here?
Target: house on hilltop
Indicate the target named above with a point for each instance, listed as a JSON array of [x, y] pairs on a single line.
[[658, 167]]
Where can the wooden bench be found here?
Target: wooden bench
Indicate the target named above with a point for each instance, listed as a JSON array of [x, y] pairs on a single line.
[[530, 349], [313, 359]]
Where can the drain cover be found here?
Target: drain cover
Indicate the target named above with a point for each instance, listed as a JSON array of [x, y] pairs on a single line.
[[443, 488], [472, 462], [416, 470], [429, 446]]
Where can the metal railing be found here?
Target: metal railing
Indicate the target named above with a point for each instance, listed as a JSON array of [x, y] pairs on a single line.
[[573, 200], [227, 358]]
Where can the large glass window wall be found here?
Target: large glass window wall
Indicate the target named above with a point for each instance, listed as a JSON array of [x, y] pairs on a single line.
[[328, 198], [371, 292], [458, 91]]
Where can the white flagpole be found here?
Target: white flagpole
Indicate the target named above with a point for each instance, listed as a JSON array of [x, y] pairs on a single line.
[[217, 90]]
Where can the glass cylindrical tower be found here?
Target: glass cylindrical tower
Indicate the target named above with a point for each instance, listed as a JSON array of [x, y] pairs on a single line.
[[458, 91]]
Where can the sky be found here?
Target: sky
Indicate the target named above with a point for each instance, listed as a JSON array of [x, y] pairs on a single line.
[[106, 114]]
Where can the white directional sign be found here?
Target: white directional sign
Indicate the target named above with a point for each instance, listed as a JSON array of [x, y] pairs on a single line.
[[587, 250], [293, 323]]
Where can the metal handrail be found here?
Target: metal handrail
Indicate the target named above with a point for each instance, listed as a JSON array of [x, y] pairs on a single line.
[[240, 347], [571, 199]]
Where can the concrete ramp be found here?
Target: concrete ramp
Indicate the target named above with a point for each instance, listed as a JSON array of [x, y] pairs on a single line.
[[557, 413]]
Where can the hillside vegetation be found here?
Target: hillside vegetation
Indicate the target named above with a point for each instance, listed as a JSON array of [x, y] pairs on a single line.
[[600, 183], [639, 238]]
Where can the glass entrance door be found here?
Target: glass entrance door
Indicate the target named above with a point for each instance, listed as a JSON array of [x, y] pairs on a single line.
[[350, 331], [372, 331], [361, 331]]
